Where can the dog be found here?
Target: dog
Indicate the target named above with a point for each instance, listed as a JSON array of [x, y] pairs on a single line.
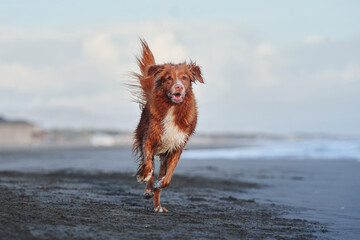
[[168, 118]]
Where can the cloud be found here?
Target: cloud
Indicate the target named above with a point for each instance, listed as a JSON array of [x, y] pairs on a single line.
[[265, 49], [251, 83], [100, 51], [25, 79], [350, 73], [167, 48], [314, 40]]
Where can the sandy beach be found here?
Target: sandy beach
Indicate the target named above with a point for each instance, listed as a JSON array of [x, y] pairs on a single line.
[[92, 194]]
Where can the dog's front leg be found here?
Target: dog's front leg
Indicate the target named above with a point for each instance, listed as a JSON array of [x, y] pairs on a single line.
[[170, 168], [157, 191], [146, 169], [149, 189]]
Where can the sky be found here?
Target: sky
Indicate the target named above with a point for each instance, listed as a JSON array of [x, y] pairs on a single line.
[[269, 66]]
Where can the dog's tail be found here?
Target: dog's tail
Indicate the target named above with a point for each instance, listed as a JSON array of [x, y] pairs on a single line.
[[145, 83], [146, 59]]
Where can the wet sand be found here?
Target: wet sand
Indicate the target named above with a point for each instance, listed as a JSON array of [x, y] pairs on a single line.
[[76, 204]]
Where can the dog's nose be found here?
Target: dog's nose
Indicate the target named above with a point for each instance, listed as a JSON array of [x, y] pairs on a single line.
[[178, 87]]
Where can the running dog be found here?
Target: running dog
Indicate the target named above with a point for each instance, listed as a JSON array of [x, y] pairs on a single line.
[[168, 118]]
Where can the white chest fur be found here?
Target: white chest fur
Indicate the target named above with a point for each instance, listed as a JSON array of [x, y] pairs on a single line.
[[173, 137]]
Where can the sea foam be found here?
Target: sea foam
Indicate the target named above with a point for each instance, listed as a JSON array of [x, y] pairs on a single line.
[[319, 149]]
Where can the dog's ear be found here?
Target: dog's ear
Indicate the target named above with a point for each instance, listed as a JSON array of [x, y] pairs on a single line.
[[155, 71], [196, 72]]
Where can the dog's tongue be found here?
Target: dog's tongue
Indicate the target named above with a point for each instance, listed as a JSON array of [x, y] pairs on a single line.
[[176, 97]]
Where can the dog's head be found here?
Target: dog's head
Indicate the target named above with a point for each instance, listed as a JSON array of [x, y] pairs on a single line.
[[175, 79]]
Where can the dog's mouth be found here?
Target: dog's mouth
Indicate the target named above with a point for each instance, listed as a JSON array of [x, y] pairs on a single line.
[[176, 97]]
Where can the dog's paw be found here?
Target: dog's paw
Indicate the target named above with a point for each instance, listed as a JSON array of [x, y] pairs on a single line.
[[148, 193], [158, 183], [160, 209], [141, 178]]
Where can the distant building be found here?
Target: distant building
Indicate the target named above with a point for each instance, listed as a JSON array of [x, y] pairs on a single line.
[[17, 133]]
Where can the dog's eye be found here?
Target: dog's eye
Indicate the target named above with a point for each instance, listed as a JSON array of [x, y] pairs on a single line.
[[169, 78], [184, 78]]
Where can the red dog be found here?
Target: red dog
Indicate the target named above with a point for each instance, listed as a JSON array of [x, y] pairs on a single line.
[[168, 118]]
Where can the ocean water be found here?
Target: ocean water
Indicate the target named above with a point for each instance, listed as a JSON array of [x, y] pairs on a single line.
[[305, 149]]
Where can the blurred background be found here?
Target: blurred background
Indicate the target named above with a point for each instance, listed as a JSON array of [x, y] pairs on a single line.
[[273, 69], [282, 83]]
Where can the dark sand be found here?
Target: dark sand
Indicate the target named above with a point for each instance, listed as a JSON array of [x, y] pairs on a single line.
[[83, 205], [90, 193]]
